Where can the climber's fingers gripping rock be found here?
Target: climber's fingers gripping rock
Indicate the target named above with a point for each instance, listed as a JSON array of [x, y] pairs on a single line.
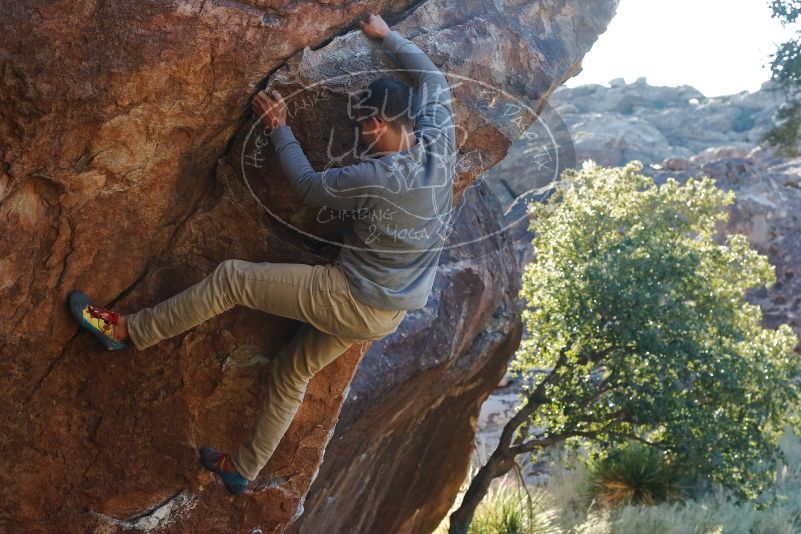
[[270, 109]]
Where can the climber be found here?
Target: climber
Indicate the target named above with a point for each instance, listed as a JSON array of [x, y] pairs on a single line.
[[402, 191]]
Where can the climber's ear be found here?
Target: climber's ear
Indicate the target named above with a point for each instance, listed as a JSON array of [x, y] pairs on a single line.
[[373, 126]]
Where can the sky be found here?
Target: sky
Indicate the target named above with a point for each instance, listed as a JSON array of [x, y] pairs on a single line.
[[720, 47]]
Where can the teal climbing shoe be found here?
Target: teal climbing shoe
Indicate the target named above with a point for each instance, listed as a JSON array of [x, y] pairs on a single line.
[[220, 463]]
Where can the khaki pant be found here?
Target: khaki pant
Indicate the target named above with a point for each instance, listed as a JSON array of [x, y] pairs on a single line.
[[315, 294]]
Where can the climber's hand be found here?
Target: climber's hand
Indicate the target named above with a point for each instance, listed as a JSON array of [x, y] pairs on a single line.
[[271, 110], [374, 26]]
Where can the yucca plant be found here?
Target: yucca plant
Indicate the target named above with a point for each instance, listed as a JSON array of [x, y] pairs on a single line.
[[634, 473]]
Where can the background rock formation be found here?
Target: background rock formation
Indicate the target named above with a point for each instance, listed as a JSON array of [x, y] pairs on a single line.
[[650, 123], [616, 124], [113, 116]]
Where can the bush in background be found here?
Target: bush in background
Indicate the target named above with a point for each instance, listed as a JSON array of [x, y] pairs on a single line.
[[634, 473], [509, 509]]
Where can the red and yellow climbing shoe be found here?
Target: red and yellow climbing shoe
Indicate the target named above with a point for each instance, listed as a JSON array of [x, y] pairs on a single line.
[[98, 320]]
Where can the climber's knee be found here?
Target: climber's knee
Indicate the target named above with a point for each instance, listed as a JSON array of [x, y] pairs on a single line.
[[228, 280], [229, 267], [288, 382], [287, 373]]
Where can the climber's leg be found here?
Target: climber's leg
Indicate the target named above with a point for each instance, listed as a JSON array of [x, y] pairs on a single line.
[[309, 293], [289, 374]]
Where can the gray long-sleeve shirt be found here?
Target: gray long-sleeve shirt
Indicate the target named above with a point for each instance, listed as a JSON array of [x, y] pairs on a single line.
[[400, 203]]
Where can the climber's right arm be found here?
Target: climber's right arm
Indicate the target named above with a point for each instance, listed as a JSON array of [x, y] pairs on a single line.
[[432, 107]]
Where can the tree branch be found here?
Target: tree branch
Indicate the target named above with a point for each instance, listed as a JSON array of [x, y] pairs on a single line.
[[534, 401]]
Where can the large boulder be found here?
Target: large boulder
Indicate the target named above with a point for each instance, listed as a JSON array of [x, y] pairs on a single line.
[[612, 138], [122, 129]]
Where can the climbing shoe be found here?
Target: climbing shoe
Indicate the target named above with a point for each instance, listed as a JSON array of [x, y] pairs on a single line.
[[220, 463], [98, 320]]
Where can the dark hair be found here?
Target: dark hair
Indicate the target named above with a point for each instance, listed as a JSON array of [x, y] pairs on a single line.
[[388, 99]]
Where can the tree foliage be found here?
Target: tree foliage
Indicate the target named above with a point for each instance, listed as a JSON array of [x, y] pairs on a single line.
[[786, 61], [638, 326], [786, 133], [785, 69]]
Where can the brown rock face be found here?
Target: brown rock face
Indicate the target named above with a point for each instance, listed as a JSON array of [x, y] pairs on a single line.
[[113, 117]]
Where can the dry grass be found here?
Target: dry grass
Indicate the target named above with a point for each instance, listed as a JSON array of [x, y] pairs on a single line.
[[564, 504]]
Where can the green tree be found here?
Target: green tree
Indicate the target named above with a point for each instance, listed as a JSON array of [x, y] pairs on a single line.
[[785, 69], [638, 329]]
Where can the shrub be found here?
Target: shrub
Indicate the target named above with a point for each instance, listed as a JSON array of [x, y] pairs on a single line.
[[786, 135], [718, 511], [506, 511], [785, 69]]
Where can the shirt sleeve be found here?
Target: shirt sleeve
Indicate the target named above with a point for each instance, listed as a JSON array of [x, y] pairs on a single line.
[[349, 187], [433, 111]]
